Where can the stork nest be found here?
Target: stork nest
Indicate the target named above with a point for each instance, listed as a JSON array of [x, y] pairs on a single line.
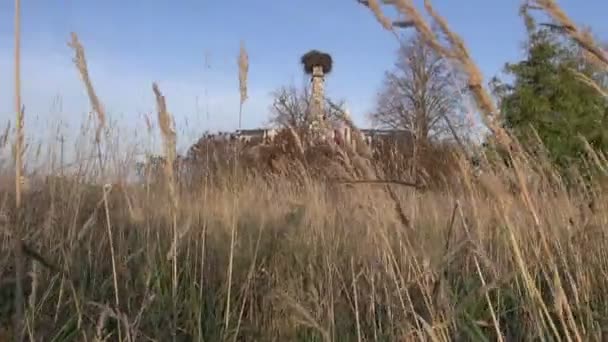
[[317, 58]]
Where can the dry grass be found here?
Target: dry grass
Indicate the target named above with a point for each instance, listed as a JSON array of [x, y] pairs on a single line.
[[81, 64], [167, 131], [18, 301], [595, 53], [271, 247], [463, 268], [386, 23]]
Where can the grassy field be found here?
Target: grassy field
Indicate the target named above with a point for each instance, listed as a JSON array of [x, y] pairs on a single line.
[[291, 255]]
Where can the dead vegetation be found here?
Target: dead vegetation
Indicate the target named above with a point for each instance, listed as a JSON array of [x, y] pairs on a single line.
[[288, 241]]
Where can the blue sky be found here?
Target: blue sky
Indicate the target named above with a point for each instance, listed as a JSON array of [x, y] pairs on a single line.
[[130, 44]]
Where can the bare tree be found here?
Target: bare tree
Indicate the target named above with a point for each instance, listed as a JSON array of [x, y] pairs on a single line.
[[291, 105], [420, 95]]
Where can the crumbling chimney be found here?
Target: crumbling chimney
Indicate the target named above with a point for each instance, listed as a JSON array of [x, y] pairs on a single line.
[[317, 64]]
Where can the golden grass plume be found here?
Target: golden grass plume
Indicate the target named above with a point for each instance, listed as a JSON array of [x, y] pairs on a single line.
[[81, 64], [243, 62], [584, 39], [374, 6], [169, 136]]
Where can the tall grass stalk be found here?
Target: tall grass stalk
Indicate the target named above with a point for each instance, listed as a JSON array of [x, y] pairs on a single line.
[[19, 302], [243, 63], [168, 134], [106, 190]]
